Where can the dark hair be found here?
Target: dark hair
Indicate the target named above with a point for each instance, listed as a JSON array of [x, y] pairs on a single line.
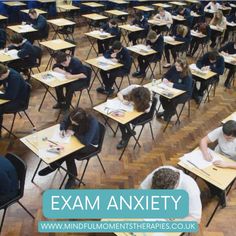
[[32, 11], [3, 69], [184, 64], [180, 9], [116, 45], [81, 117], [61, 57], [16, 38], [212, 55], [141, 97], [113, 22], [229, 128], [165, 178]]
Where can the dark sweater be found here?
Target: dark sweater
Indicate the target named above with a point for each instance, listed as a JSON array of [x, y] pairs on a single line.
[[40, 24], [8, 177], [158, 46], [217, 67], [15, 87], [182, 83], [142, 23], [112, 30], [91, 137], [123, 57], [229, 48]]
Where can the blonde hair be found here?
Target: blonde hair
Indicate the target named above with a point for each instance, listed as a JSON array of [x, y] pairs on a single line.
[[217, 20], [182, 30]]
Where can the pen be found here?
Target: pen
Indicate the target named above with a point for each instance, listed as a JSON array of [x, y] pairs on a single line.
[[198, 168]]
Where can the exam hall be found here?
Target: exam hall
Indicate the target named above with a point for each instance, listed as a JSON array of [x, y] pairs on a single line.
[[118, 95]]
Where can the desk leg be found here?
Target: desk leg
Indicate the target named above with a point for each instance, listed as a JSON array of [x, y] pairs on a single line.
[[8, 131], [55, 29], [92, 42], [36, 170], [95, 76], [124, 34]]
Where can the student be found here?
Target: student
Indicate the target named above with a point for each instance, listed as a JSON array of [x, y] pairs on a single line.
[[85, 128], [168, 177], [39, 22], [220, 22], [201, 27], [140, 97], [164, 16], [15, 90], [3, 38], [26, 52], [212, 6], [141, 22], [185, 13], [179, 77], [112, 28], [229, 49], [72, 68], [9, 181], [210, 61], [120, 54], [155, 41], [182, 34]]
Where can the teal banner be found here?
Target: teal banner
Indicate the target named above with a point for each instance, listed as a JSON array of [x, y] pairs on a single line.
[[110, 203]]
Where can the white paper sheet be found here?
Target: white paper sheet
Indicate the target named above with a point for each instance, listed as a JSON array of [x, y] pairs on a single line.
[[116, 104], [26, 28], [57, 75], [98, 32], [58, 139], [12, 53], [143, 47], [198, 70], [44, 153], [105, 61], [197, 159], [168, 39]]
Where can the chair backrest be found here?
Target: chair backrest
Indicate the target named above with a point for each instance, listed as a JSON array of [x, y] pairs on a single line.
[[71, 50], [88, 74], [102, 131], [153, 107], [27, 96], [39, 54], [20, 167], [46, 33], [3, 38]]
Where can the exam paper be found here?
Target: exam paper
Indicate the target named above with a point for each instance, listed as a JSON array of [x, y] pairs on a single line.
[[168, 38], [13, 53], [105, 61], [141, 47], [98, 32], [116, 104], [197, 159], [26, 28], [60, 140], [198, 70], [57, 75], [43, 153]]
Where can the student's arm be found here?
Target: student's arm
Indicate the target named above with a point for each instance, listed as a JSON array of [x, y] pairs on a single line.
[[204, 148], [12, 46], [64, 125], [108, 53], [156, 17], [11, 90], [59, 70], [23, 53], [207, 6], [186, 85], [40, 24], [201, 62], [220, 66], [225, 164], [225, 48]]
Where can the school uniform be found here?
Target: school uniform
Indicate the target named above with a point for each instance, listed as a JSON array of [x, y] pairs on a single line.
[[230, 48], [217, 67], [158, 46], [3, 38], [108, 77], [15, 90], [186, 14], [179, 82], [230, 18], [142, 23], [9, 181], [103, 45], [75, 67], [167, 17], [186, 183]]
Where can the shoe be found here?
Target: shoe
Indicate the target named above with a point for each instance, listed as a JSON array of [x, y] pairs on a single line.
[[167, 117], [227, 86], [46, 171], [58, 106], [105, 91], [122, 144], [71, 183], [135, 74], [198, 99], [160, 114], [142, 75], [189, 54], [222, 197], [65, 107], [167, 65]]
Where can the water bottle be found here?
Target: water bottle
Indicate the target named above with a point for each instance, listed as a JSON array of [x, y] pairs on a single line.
[[154, 81]]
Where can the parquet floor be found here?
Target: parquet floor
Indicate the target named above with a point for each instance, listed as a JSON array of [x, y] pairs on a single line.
[[134, 166]]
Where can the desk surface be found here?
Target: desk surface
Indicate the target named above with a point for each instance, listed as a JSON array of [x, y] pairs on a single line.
[[5, 57], [92, 4], [95, 16], [95, 62], [163, 5], [2, 17], [128, 115], [36, 145], [230, 117], [57, 44], [144, 8], [3, 101], [229, 59], [142, 52], [60, 22], [14, 4], [172, 42], [46, 1], [99, 35], [197, 34], [67, 7], [51, 81], [221, 177], [20, 29], [131, 28], [178, 3], [39, 11], [206, 76], [117, 12], [119, 1], [157, 22], [178, 18]]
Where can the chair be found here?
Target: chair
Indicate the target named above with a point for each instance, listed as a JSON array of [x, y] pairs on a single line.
[[23, 108], [67, 32], [20, 167], [45, 35], [147, 120], [92, 154]]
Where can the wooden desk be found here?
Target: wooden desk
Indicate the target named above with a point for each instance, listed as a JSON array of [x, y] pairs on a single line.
[[6, 57], [163, 5], [144, 8], [92, 4], [46, 1], [2, 17], [197, 34], [229, 59], [178, 3], [21, 29], [172, 42], [14, 4], [3, 101], [120, 2], [213, 27], [140, 51], [230, 117], [39, 11], [95, 17], [203, 76], [117, 13], [157, 22], [66, 7], [178, 18], [192, 1]]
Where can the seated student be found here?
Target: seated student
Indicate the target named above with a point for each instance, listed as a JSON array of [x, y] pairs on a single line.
[[220, 22], [141, 22], [15, 90], [156, 42], [26, 52], [184, 12], [112, 28], [9, 181], [169, 177], [3, 38], [229, 49], [164, 16], [85, 128], [182, 34], [120, 54], [72, 68], [179, 77], [212, 5], [201, 27], [140, 97], [39, 22], [210, 61], [197, 8]]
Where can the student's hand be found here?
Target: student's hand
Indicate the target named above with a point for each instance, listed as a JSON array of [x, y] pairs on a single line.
[[222, 164], [69, 76], [113, 55], [170, 84], [165, 81], [62, 133], [69, 133], [125, 102], [225, 53], [101, 30], [148, 47], [205, 68], [114, 60], [208, 157]]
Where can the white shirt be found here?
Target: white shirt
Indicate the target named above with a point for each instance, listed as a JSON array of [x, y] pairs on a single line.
[[224, 147], [186, 183], [212, 7], [167, 17]]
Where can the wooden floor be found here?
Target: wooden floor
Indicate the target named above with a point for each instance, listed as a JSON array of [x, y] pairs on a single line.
[[135, 165]]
